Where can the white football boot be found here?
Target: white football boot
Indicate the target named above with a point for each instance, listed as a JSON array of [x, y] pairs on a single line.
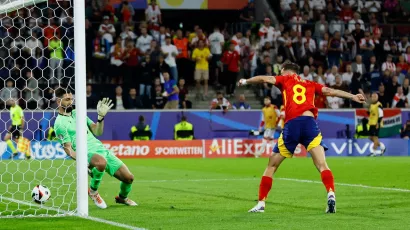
[[260, 207], [98, 200], [331, 202]]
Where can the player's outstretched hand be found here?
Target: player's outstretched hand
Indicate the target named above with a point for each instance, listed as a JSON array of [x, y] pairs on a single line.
[[359, 98], [103, 107], [242, 82]]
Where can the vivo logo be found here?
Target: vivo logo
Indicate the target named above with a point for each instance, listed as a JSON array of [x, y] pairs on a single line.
[[351, 147]]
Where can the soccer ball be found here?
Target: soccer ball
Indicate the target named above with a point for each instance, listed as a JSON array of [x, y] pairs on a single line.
[[40, 194]]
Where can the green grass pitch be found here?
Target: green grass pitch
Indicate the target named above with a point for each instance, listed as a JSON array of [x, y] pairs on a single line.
[[217, 193]]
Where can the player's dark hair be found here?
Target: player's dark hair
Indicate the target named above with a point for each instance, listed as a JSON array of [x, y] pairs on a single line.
[[267, 97], [287, 65], [183, 118], [61, 91], [141, 118]]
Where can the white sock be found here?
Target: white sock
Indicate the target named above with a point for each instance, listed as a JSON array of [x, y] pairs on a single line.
[[331, 194], [261, 203]]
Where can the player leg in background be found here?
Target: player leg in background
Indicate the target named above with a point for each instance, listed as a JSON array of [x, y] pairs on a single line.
[[318, 156], [376, 145], [267, 139], [10, 143], [266, 182], [98, 164], [124, 175]]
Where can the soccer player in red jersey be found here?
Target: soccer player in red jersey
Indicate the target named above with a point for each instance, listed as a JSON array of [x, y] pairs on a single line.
[[300, 127]]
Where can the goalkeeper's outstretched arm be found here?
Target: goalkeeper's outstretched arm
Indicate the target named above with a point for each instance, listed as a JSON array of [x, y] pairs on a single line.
[[69, 150]]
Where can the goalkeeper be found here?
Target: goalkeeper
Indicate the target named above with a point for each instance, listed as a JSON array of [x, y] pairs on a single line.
[[100, 159]]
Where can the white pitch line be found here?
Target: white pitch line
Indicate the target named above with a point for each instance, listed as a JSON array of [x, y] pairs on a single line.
[[63, 213], [276, 178]]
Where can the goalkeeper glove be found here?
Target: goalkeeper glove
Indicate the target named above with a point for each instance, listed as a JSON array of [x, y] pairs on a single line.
[[103, 107]]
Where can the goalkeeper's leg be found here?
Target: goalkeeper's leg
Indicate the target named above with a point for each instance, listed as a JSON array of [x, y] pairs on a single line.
[[99, 163], [122, 173]]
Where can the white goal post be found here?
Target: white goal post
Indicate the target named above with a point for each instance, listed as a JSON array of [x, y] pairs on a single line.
[[27, 65]]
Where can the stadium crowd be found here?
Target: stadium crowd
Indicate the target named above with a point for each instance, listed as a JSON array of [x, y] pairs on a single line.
[[347, 45]]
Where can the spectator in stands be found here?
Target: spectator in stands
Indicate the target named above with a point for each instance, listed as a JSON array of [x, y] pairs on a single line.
[[117, 62], [154, 51], [356, 19], [319, 77], [127, 34], [161, 36], [153, 13], [147, 76], [107, 30], [306, 74], [119, 99], [331, 77], [400, 100], [7, 93], [51, 30], [392, 86], [335, 50], [402, 64], [101, 47], [56, 57], [33, 43], [171, 92], [358, 66], [321, 26], [297, 22], [330, 13], [241, 103], [184, 103], [347, 76], [248, 12], [346, 14], [383, 97], [162, 66], [32, 95], [358, 35], [200, 36], [144, 41], [366, 47], [134, 101], [285, 47], [201, 56], [170, 52], [220, 102], [323, 46], [130, 57], [388, 64], [231, 60], [406, 88], [182, 60], [158, 99], [92, 99], [339, 84], [267, 88], [216, 40], [127, 12], [267, 33], [403, 44], [337, 25]]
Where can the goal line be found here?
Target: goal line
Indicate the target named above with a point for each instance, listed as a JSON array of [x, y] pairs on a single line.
[[62, 213]]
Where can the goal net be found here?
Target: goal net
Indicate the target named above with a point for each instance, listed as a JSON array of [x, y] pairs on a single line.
[[36, 57]]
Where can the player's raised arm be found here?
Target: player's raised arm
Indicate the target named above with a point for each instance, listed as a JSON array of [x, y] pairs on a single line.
[[103, 107], [339, 93], [257, 80]]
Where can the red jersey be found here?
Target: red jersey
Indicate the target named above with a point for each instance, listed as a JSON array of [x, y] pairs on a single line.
[[298, 95], [231, 58]]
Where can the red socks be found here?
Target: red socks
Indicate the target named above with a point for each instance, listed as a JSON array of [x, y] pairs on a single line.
[[328, 181], [264, 187]]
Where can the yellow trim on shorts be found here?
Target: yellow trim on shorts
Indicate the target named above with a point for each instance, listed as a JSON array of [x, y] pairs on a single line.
[[316, 142], [282, 148]]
